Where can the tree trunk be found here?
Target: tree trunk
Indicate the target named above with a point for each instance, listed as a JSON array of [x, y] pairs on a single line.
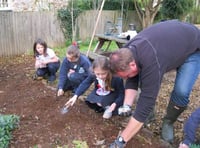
[[147, 11]]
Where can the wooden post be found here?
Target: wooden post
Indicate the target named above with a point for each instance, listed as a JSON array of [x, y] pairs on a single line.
[[95, 27]]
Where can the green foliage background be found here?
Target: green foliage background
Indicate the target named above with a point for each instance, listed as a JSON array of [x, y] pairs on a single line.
[[64, 15], [175, 9], [78, 6]]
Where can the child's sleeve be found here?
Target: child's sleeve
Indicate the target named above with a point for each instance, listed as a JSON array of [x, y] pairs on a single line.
[[191, 126], [119, 88]]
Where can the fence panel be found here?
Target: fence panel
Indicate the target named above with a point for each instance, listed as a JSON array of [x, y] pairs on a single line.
[[6, 34], [20, 29], [87, 20]]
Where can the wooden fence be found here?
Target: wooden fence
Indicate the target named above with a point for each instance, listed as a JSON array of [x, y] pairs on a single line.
[[18, 31], [87, 20]]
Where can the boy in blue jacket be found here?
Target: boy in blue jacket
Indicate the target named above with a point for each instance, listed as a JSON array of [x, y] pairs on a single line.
[[74, 69]]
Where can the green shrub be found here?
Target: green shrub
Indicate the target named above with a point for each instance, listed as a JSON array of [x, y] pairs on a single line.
[[65, 16], [7, 124], [80, 144]]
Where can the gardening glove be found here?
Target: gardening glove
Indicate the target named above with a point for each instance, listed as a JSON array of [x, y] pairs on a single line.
[[124, 110], [71, 101], [60, 92], [118, 143]]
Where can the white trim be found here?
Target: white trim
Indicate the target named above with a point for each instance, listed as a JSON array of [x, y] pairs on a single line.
[[5, 5], [5, 9]]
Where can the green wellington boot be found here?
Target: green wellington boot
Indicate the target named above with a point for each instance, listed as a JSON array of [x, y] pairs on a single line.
[[173, 111]]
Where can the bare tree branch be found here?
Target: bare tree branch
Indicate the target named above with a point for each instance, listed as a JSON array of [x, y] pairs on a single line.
[[147, 10]]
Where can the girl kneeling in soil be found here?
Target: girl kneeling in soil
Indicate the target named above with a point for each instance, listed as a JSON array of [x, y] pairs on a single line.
[[108, 93], [46, 61]]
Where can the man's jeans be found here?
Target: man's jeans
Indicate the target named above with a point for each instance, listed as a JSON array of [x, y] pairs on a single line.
[[186, 77]]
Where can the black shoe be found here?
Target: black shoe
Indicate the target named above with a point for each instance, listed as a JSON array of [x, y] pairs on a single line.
[[35, 76], [50, 82], [99, 109], [94, 106], [73, 91], [52, 78], [91, 105]]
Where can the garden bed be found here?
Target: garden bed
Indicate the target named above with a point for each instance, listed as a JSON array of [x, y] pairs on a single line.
[[42, 124]]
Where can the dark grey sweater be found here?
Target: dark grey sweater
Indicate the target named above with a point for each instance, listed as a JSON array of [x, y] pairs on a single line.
[[158, 49]]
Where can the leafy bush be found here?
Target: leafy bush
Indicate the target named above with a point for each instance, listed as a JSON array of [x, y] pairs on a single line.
[[172, 9], [7, 124], [64, 15], [194, 16]]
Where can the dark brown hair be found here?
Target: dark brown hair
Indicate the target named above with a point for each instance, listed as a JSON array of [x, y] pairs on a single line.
[[41, 42]]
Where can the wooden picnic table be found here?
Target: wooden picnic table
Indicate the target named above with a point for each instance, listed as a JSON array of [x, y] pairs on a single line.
[[102, 39]]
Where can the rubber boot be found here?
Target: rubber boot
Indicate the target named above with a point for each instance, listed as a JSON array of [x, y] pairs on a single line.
[[150, 118], [173, 111]]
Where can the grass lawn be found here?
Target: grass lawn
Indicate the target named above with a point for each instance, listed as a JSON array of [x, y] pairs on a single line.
[[61, 51]]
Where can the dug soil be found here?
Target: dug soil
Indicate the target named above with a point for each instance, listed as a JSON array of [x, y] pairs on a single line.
[[43, 126]]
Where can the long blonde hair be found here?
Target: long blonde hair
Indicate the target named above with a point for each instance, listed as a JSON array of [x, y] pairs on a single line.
[[104, 64]]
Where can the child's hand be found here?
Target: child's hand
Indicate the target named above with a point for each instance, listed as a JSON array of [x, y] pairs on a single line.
[[37, 64], [71, 101], [70, 72], [60, 92], [43, 64]]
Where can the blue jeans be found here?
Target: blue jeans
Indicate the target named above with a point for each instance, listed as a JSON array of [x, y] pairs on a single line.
[[186, 77]]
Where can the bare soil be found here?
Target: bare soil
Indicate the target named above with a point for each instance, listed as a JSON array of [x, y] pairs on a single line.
[[43, 126]]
